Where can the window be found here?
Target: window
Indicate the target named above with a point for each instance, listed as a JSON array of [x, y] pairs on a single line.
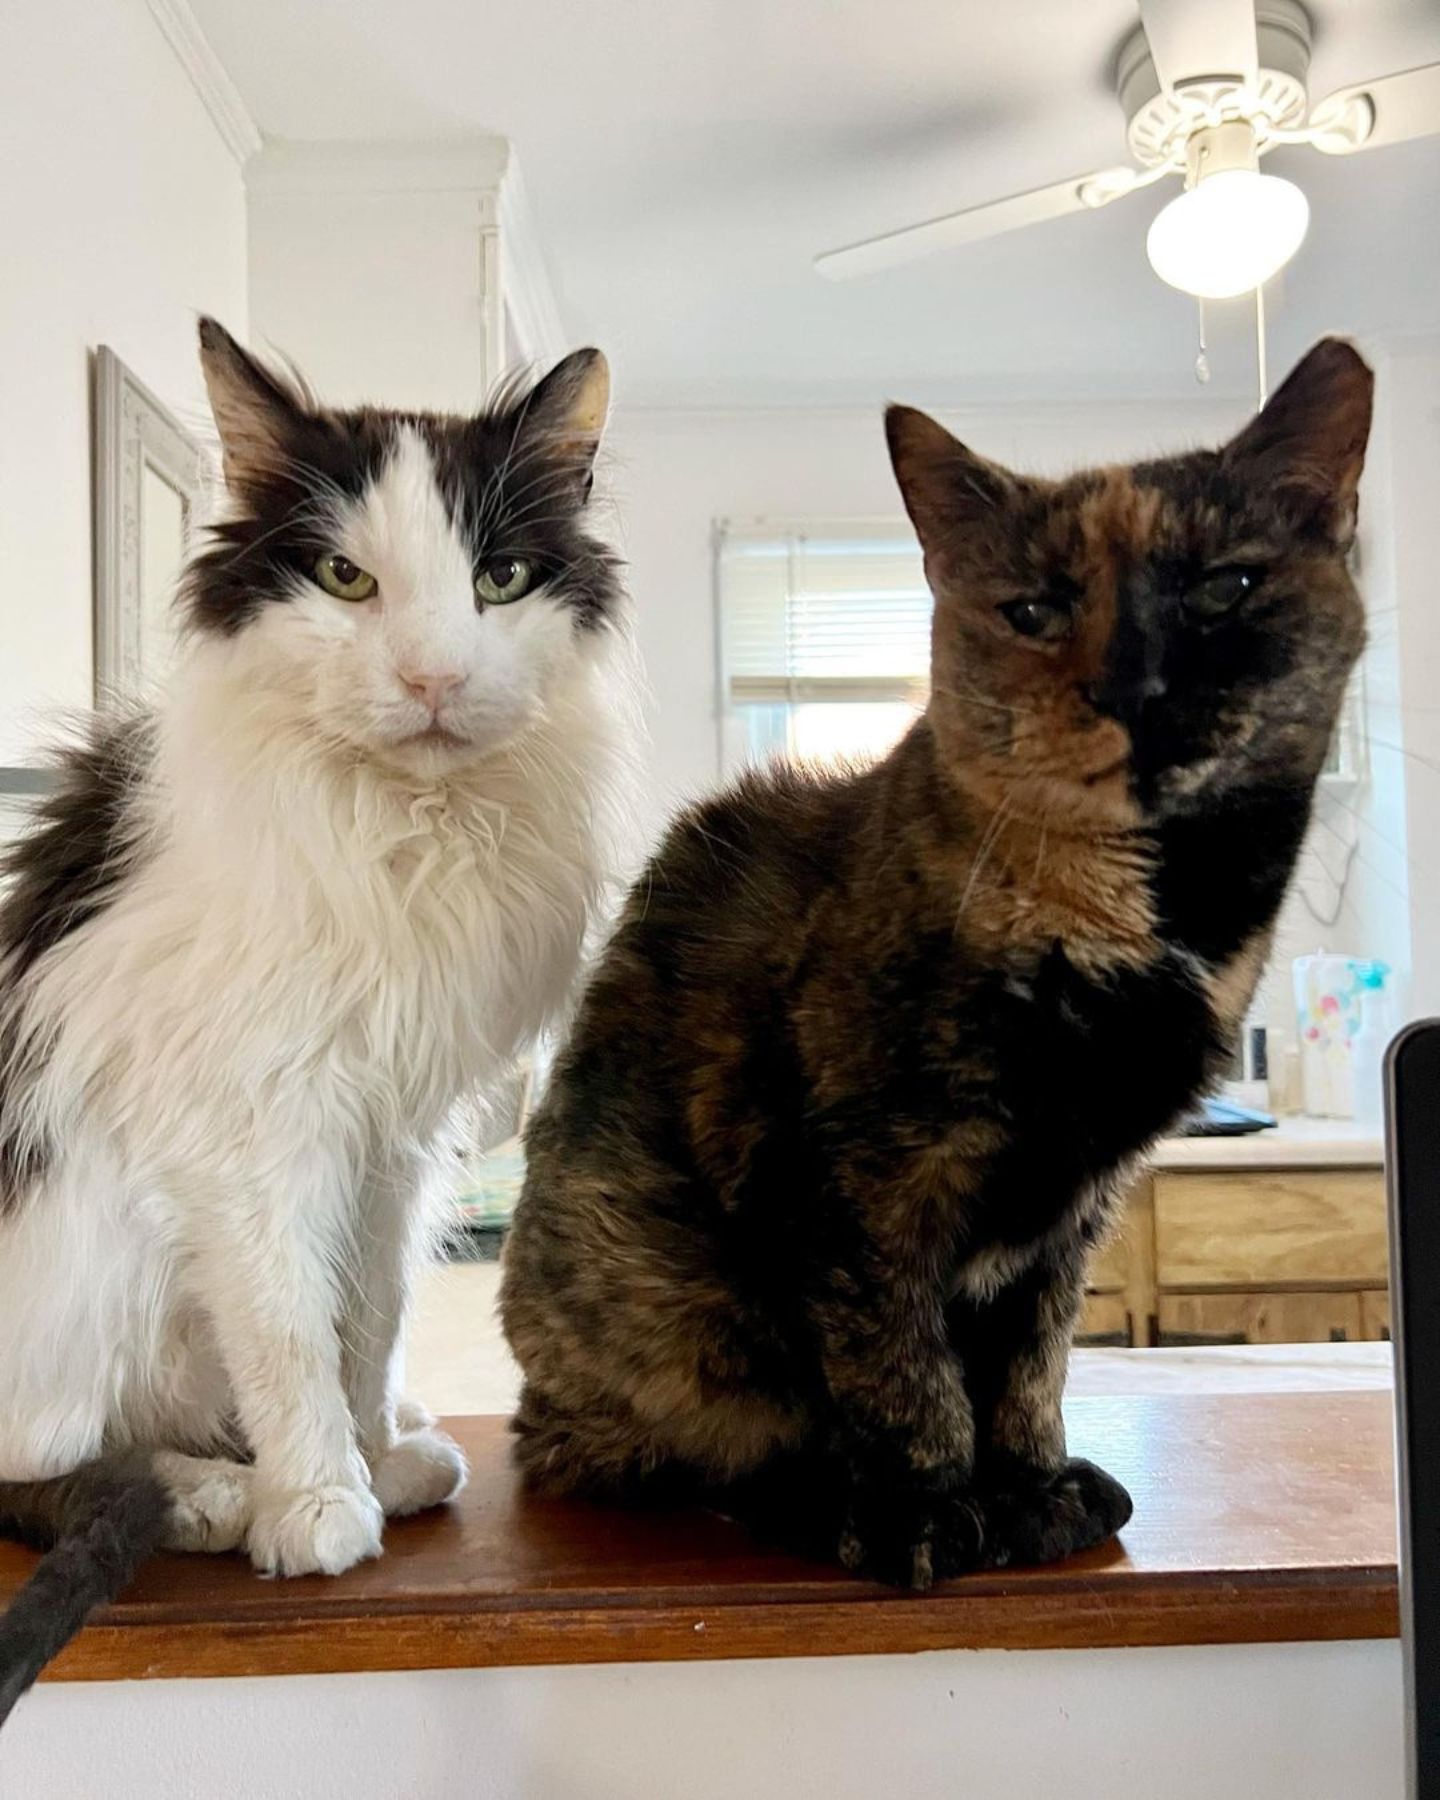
[[824, 638]]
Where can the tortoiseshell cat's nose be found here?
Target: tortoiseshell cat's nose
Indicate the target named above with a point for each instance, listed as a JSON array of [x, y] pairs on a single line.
[[1123, 697], [1134, 675]]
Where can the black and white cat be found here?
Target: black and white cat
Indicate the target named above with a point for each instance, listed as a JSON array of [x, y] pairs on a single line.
[[262, 940]]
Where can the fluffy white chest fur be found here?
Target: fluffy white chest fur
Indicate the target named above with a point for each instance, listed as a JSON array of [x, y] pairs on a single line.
[[258, 1044]]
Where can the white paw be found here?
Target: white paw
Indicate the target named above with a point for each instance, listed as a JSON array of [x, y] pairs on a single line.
[[421, 1469], [315, 1531], [410, 1415], [212, 1502]]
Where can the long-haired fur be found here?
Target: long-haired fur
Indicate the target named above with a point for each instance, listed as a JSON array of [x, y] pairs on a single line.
[[258, 948]]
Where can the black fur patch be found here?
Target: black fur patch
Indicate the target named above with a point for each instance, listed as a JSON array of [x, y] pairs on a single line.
[[63, 871], [510, 484]]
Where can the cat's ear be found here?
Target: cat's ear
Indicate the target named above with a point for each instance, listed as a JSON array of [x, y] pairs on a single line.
[[945, 485], [567, 411], [256, 411], [1307, 446]]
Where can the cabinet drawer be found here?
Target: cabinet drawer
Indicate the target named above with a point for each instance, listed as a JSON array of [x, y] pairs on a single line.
[[1260, 1319], [1281, 1227], [1105, 1321]]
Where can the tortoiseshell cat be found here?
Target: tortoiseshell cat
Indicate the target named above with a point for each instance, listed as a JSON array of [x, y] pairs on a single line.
[[849, 1102]]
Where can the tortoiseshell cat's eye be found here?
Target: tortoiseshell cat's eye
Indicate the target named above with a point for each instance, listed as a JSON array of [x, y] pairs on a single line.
[[344, 579], [1220, 591], [1044, 619]]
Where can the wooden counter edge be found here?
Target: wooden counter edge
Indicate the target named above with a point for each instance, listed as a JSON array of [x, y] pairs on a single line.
[[1218, 1608]]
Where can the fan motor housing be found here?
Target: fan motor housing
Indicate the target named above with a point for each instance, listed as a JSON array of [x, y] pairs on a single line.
[[1158, 124]]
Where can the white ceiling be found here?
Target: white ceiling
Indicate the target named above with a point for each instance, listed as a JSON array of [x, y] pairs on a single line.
[[686, 158]]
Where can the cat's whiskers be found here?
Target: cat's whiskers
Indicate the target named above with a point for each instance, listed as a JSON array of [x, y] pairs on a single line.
[[972, 697], [983, 851], [1040, 850]]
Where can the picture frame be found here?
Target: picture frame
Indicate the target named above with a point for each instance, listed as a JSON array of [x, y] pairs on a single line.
[[152, 479]]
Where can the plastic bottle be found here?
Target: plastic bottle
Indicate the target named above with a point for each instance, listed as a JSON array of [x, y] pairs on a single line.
[[1367, 1046], [1324, 1000]]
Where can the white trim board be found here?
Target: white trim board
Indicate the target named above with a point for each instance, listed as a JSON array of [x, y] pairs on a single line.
[[208, 76], [529, 293]]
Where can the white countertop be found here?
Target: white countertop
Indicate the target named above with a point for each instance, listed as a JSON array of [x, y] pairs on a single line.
[[1295, 1143], [1231, 1369]]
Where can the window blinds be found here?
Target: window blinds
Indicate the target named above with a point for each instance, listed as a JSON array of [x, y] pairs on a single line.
[[819, 612]]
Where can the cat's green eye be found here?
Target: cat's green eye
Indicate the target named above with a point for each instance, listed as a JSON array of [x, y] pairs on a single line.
[[502, 580], [1045, 619], [1221, 591], [344, 579]]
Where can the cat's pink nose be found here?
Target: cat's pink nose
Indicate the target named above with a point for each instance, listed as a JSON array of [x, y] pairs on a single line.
[[434, 690]]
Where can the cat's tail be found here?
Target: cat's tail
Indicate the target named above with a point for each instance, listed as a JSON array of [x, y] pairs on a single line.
[[96, 1526]]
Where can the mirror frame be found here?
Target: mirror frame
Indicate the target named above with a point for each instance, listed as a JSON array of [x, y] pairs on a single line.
[[133, 431]]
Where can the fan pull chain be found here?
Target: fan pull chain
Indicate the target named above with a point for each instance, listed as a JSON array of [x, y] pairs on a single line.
[[1260, 375], [1202, 359]]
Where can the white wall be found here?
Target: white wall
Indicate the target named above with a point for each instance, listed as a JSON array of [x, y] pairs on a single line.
[[1264, 1721], [121, 217], [367, 265], [1404, 845]]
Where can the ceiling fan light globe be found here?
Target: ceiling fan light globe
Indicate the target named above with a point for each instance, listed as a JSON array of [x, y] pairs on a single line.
[[1228, 234]]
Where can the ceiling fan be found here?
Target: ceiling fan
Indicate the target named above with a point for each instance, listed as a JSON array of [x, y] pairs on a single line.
[[1207, 88]]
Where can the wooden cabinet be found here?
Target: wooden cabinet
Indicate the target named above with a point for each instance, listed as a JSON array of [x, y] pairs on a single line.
[[1106, 1322], [1279, 1227], [1375, 1315], [1258, 1319], [1237, 1256]]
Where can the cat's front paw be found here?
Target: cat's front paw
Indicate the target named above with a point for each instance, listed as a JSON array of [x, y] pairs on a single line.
[[211, 1502], [912, 1537], [315, 1531], [422, 1468], [1053, 1516]]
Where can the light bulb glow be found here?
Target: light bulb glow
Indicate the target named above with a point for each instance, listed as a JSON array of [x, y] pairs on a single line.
[[1229, 233]]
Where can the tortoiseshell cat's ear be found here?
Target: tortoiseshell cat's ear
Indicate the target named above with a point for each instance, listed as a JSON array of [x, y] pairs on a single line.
[[568, 410], [256, 411], [1308, 444], [945, 485]]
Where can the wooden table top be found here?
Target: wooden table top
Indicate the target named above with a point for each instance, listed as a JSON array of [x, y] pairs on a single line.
[[1258, 1517]]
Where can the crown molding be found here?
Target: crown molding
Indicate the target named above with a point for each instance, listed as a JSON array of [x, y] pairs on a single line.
[[208, 76], [375, 166]]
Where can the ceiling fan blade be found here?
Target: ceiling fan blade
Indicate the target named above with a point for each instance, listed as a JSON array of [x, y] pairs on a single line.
[[1197, 40], [1395, 107], [1082, 193]]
